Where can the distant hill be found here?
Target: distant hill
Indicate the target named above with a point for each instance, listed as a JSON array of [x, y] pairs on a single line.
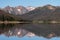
[[47, 12]]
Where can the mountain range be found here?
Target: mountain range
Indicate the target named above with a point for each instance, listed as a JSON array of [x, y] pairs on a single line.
[[47, 12], [18, 10]]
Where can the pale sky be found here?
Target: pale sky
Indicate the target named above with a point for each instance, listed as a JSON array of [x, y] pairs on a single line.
[[34, 3]]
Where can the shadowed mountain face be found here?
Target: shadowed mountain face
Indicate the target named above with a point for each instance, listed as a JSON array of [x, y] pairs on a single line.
[[6, 16], [47, 12]]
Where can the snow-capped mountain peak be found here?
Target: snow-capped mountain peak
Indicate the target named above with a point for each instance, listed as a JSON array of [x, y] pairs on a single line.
[[29, 8]]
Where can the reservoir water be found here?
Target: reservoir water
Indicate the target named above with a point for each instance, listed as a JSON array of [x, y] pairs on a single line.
[[30, 31]]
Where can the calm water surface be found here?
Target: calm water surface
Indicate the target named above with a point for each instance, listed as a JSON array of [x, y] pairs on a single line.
[[30, 31]]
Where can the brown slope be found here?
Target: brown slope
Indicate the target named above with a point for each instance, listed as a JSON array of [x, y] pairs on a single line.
[[6, 16], [47, 12]]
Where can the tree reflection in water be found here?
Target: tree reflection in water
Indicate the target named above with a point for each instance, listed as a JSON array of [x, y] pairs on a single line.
[[20, 30]]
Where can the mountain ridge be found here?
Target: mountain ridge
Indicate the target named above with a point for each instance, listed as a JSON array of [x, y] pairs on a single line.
[[43, 13]]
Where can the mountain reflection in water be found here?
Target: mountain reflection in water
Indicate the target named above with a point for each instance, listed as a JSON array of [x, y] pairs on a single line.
[[20, 30], [14, 30]]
